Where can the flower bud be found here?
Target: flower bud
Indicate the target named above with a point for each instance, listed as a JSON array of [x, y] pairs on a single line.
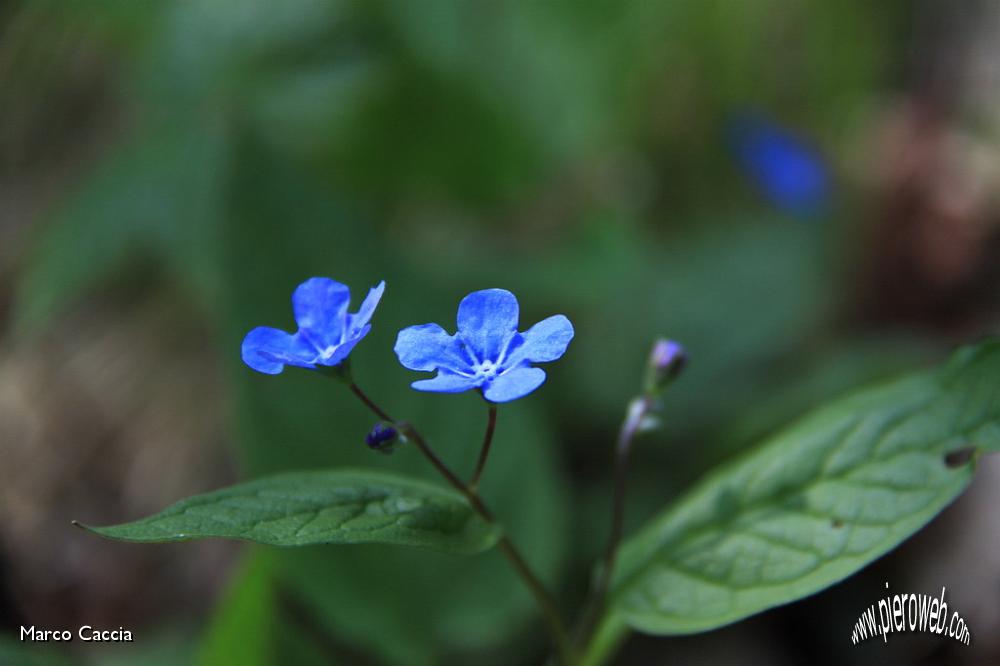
[[382, 438], [666, 360]]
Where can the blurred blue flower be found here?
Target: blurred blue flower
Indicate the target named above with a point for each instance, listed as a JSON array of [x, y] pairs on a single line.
[[326, 335], [487, 353], [790, 174]]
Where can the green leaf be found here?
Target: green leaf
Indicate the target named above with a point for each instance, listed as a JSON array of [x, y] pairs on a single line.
[[308, 508], [242, 628], [815, 503]]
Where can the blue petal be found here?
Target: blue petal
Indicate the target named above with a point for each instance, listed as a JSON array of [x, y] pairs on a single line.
[[514, 384], [320, 306], [447, 382], [367, 309], [428, 347], [545, 341], [269, 350], [341, 351], [487, 320]]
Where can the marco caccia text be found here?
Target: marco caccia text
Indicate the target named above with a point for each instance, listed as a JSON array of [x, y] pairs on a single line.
[[86, 633]]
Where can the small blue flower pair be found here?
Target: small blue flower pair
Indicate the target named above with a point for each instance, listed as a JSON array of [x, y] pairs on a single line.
[[487, 353]]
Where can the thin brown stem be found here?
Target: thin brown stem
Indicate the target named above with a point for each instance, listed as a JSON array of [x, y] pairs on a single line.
[[638, 411], [484, 450], [546, 603], [369, 403], [550, 611], [548, 606], [470, 494]]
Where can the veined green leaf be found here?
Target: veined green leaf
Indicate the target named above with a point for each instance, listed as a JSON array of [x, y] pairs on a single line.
[[321, 507], [814, 504]]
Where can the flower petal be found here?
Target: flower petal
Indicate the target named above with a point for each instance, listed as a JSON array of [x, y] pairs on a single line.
[[367, 309], [341, 351], [514, 384], [447, 382], [545, 341], [487, 320], [320, 306], [429, 347], [269, 350]]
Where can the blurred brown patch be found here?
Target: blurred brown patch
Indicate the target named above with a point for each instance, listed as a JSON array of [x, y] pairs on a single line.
[[933, 257], [111, 416]]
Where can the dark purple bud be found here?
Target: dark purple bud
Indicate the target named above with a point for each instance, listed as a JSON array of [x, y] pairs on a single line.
[[666, 360], [382, 438]]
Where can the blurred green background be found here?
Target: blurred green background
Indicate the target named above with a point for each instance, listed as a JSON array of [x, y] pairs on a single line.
[[170, 171]]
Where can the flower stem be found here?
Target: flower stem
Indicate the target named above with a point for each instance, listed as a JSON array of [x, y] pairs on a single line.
[[470, 494], [638, 411], [557, 629], [560, 636], [484, 450], [369, 403]]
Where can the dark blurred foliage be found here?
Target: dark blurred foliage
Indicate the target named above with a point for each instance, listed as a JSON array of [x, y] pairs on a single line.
[[170, 171]]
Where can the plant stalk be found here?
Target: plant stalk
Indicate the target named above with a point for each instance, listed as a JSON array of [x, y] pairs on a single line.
[[548, 606], [639, 409], [484, 450]]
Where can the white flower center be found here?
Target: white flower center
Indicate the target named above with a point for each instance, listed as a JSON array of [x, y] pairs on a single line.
[[487, 369]]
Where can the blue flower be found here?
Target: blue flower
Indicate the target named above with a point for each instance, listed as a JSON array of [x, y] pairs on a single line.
[[326, 335], [487, 353], [789, 172]]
